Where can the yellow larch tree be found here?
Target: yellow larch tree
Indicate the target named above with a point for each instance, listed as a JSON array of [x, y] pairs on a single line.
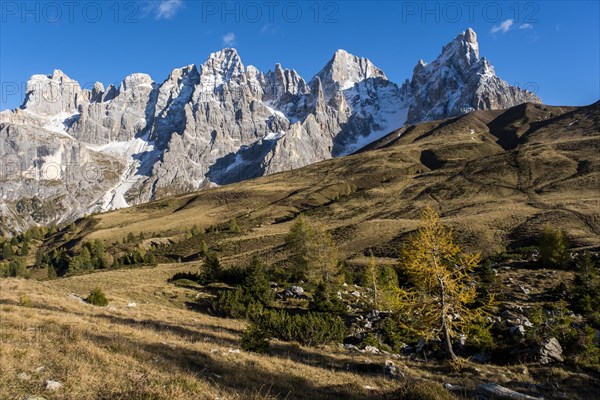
[[439, 303]]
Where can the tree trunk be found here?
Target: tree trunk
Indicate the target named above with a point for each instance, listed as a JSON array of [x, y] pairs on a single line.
[[447, 343], [374, 277]]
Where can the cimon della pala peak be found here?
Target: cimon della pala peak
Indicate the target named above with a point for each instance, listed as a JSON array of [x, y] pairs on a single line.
[[69, 151]]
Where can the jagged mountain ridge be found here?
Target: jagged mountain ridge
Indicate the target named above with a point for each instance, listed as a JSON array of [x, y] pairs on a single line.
[[218, 123]]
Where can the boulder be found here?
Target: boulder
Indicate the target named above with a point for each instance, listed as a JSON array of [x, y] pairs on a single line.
[[518, 330], [297, 291], [549, 351], [371, 349], [53, 385], [24, 376], [481, 358], [393, 372], [454, 388], [495, 391]]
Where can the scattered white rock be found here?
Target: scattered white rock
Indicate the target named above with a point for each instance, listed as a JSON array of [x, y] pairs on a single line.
[[235, 351], [297, 290], [518, 330], [24, 376], [351, 347], [371, 349], [501, 393], [551, 350], [522, 370], [76, 297], [391, 371], [53, 385], [132, 305], [453, 388]]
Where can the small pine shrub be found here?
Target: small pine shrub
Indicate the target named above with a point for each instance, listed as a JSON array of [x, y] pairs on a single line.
[[24, 300], [189, 276], [326, 300], [150, 259], [234, 227], [16, 268], [487, 278], [553, 247], [97, 298], [230, 303], [369, 340], [309, 329], [394, 335], [255, 339], [212, 268], [585, 294], [256, 285]]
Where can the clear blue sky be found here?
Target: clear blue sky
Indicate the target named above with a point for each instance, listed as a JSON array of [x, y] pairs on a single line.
[[550, 46]]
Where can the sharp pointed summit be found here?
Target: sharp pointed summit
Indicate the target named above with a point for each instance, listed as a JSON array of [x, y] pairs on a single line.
[[224, 64], [345, 70], [458, 81]]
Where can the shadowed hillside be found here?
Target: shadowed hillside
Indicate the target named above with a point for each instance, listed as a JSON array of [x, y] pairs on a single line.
[[496, 176]]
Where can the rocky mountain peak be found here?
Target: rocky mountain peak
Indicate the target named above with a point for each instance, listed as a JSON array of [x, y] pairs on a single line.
[[177, 73], [345, 70], [136, 80], [225, 64], [463, 48], [51, 94], [287, 81], [458, 81]]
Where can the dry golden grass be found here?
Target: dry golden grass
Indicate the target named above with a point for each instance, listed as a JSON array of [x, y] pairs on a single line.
[[160, 349], [157, 349]]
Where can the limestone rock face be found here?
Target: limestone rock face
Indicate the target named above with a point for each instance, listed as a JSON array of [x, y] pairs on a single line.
[[216, 123], [457, 82]]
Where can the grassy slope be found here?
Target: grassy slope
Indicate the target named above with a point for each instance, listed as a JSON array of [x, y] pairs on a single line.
[[160, 349], [496, 176], [493, 192]]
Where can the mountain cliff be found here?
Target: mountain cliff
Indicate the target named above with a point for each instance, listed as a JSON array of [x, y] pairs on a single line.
[[69, 151]]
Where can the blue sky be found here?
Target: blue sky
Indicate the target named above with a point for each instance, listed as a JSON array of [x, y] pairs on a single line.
[[550, 47]]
